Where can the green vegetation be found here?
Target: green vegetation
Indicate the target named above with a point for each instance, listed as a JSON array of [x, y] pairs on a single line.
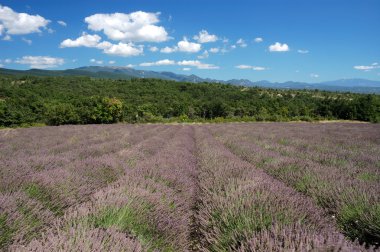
[[136, 223], [6, 233], [361, 221], [82, 100], [45, 196]]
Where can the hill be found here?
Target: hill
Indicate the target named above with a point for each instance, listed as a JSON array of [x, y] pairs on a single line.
[[125, 73], [83, 100]]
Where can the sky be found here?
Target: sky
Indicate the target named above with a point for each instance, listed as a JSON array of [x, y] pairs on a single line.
[[274, 40]]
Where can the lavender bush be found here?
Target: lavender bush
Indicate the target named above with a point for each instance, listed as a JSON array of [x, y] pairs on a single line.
[[224, 187]]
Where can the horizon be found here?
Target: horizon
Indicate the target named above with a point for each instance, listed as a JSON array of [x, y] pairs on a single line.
[[310, 42], [191, 74]]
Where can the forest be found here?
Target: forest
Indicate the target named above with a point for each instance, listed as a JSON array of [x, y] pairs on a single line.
[[27, 100]]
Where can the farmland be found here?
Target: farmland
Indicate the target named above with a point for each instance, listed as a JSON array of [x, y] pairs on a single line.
[[191, 187]]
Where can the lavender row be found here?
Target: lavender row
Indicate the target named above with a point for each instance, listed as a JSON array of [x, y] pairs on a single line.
[[343, 190], [54, 190], [242, 208], [151, 204]]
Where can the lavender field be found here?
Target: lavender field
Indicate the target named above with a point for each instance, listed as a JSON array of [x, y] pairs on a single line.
[[205, 187]]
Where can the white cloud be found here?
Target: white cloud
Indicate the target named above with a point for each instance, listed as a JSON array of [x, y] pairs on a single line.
[[241, 43], [185, 63], [233, 47], [303, 51], [190, 47], [186, 69], [367, 68], [62, 23], [111, 62], [130, 65], [98, 62], [15, 23], [7, 61], [40, 61], [204, 55], [133, 27], [165, 62], [153, 48], [278, 47], [85, 40], [255, 68], [205, 37], [7, 38], [124, 50], [93, 41], [258, 40], [214, 50], [28, 41], [313, 75], [168, 49], [197, 64], [1, 65]]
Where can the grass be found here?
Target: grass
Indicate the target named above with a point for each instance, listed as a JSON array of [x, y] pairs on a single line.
[[134, 222], [30, 222], [361, 221], [368, 177], [45, 197], [6, 232]]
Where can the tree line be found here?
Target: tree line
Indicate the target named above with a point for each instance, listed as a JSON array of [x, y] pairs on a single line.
[[29, 100]]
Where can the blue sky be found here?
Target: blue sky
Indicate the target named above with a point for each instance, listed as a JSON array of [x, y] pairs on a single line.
[[275, 40]]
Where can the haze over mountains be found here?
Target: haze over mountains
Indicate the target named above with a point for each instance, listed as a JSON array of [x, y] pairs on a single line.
[[113, 72]]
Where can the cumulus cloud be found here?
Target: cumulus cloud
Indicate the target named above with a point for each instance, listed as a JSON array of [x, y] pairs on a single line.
[[153, 48], [130, 65], [165, 62], [111, 62], [190, 47], [85, 40], [205, 37], [40, 62], [258, 40], [124, 49], [133, 27], [313, 75], [185, 63], [303, 51], [93, 41], [255, 68], [168, 49], [186, 69], [374, 65], [62, 23], [278, 47], [14, 23], [241, 43], [197, 64], [214, 50]]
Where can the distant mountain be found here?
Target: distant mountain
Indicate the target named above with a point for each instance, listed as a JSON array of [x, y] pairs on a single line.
[[113, 72]]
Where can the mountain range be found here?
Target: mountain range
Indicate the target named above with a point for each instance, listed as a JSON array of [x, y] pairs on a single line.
[[110, 72]]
